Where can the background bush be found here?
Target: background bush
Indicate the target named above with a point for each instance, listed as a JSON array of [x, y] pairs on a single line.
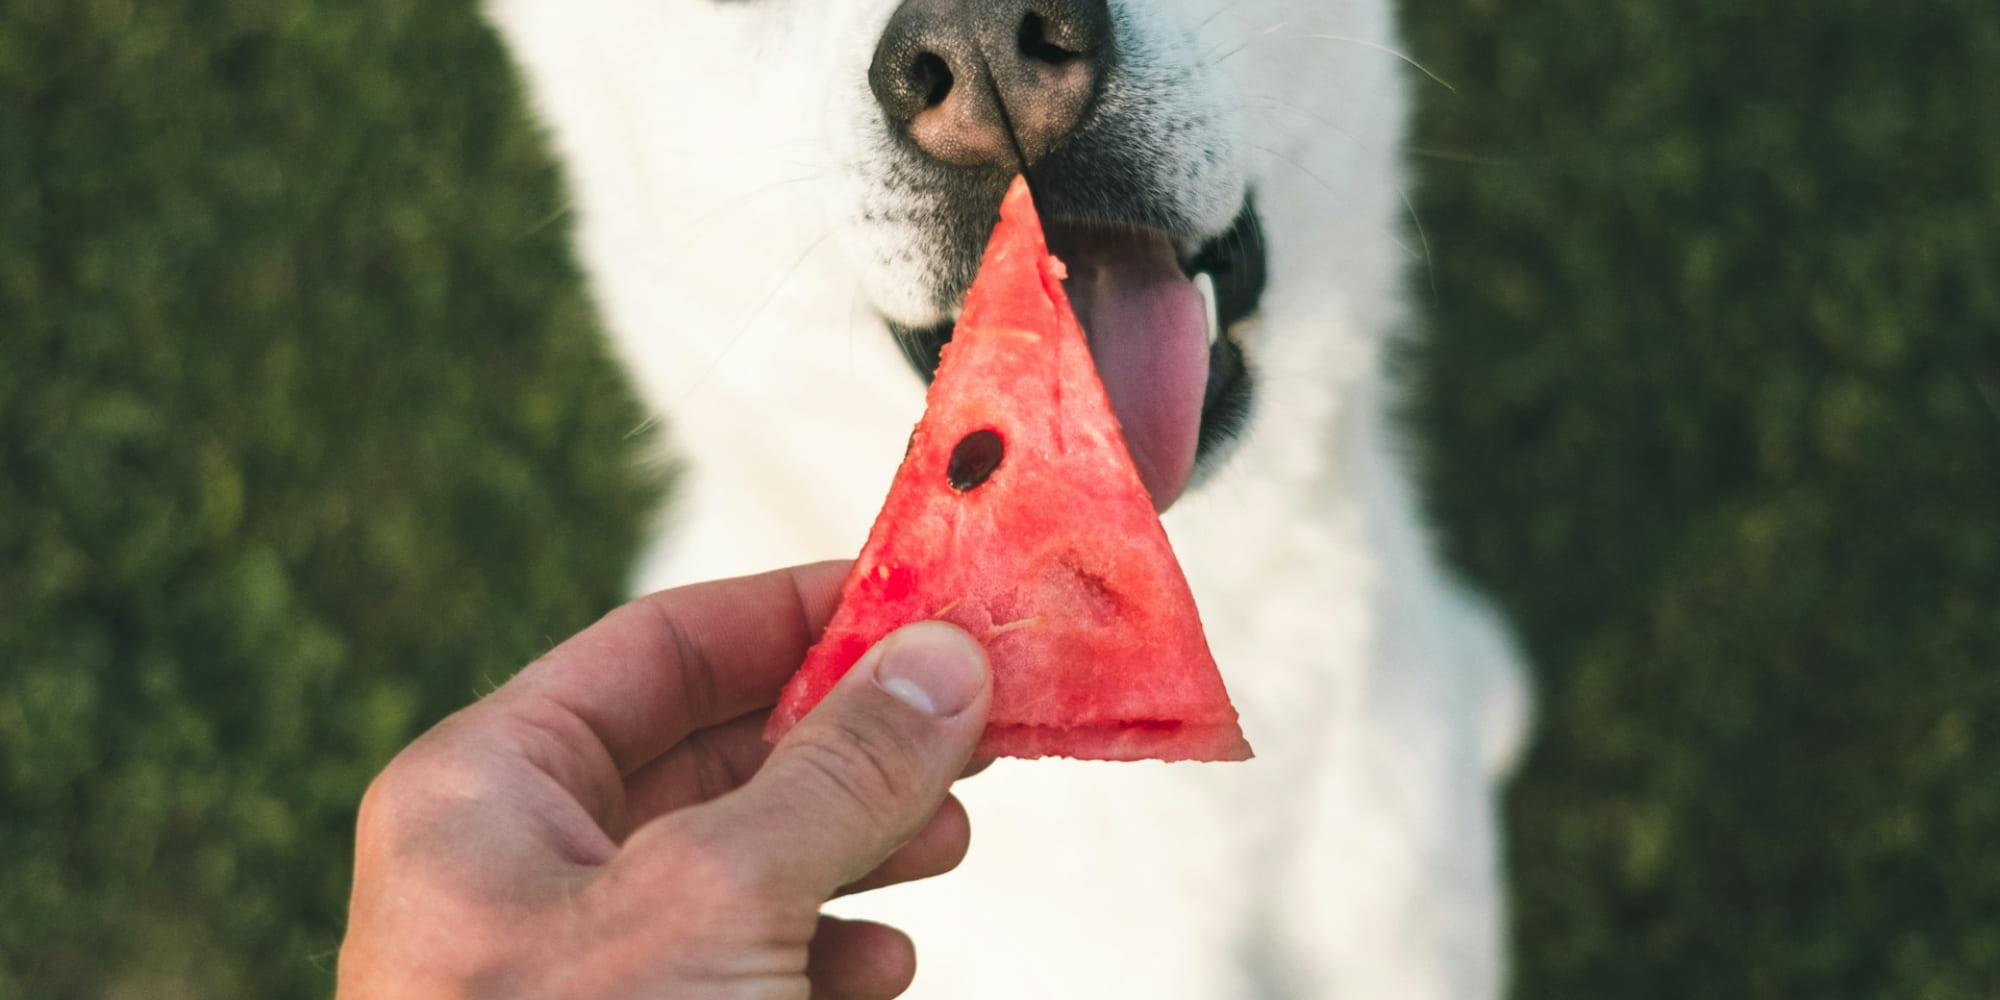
[[1714, 393], [306, 438]]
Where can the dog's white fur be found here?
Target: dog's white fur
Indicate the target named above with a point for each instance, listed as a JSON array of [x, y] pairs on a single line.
[[746, 229]]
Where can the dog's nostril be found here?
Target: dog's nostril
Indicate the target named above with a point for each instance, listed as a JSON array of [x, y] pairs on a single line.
[[1035, 43], [930, 76], [982, 83]]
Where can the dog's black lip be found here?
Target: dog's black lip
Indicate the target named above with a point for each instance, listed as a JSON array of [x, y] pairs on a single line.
[[1235, 256], [1225, 404]]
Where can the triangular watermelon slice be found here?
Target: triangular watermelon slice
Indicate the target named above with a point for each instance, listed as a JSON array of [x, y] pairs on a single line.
[[1018, 515]]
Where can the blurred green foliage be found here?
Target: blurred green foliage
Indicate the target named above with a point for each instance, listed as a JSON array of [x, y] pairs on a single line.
[[1713, 398], [308, 438]]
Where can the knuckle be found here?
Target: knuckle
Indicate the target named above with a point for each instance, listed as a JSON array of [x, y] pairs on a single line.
[[419, 784], [390, 800], [700, 892], [869, 766]]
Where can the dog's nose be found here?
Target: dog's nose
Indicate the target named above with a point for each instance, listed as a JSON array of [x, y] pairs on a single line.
[[955, 74]]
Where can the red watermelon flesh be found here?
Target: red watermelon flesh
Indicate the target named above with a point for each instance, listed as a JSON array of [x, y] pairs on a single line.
[[1053, 557]]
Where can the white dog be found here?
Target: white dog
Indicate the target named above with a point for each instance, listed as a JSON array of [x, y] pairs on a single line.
[[780, 205]]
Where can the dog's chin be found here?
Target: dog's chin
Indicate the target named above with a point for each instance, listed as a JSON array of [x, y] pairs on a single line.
[[1228, 273]]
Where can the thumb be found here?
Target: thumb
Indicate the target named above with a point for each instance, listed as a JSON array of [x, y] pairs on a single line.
[[864, 770]]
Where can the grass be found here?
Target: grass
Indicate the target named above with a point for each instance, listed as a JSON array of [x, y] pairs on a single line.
[[1714, 394], [307, 437]]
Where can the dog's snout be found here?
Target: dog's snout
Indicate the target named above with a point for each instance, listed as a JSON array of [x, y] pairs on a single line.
[[955, 75]]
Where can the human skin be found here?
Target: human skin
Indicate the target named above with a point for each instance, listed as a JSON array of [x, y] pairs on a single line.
[[610, 822]]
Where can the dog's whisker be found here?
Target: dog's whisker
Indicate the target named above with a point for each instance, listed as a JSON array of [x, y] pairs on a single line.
[[1335, 194], [1374, 46], [644, 426], [661, 265], [1430, 270], [742, 199], [1252, 39], [1423, 152], [770, 295], [1455, 156], [1388, 50], [568, 205], [1331, 125], [1220, 9], [1417, 222]]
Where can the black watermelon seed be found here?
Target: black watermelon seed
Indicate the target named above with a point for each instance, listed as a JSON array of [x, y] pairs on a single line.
[[974, 460]]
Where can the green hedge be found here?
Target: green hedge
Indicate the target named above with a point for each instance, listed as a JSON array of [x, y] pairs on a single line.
[[1714, 401], [306, 437]]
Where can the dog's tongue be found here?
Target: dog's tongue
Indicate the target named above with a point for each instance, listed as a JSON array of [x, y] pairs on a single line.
[[1148, 331]]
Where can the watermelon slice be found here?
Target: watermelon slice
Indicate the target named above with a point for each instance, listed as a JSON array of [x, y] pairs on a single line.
[[1018, 515]]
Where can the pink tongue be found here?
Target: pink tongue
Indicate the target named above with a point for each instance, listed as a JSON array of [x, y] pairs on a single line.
[[1148, 331]]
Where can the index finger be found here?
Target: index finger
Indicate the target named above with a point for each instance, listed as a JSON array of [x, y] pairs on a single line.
[[651, 672]]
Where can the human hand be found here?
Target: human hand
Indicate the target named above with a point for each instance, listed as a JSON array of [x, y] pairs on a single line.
[[601, 826]]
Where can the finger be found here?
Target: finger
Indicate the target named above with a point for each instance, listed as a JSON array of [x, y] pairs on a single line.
[[859, 960], [655, 670], [707, 765], [936, 849], [864, 771]]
